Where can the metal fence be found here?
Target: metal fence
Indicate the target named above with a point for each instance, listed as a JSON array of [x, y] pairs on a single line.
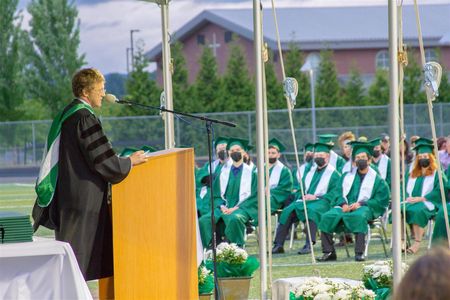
[[22, 143]]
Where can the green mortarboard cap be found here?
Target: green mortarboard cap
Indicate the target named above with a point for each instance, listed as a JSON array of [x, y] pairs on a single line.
[[327, 138], [236, 141], [128, 151], [423, 141], [309, 147], [424, 148], [376, 142], [322, 147], [220, 140], [362, 148], [277, 144]]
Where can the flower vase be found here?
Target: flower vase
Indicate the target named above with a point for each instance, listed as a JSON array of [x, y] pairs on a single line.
[[204, 296], [234, 288]]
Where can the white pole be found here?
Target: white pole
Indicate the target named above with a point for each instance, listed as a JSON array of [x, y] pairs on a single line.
[[257, 38], [395, 138], [313, 104], [167, 75]]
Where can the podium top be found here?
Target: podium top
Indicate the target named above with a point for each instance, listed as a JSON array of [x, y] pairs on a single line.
[[168, 152]]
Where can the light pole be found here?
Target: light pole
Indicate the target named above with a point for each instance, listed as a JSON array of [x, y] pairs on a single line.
[[309, 68], [132, 47], [128, 60]]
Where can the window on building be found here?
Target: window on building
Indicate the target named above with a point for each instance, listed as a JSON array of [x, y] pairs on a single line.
[[430, 55], [228, 36], [382, 60], [201, 39]]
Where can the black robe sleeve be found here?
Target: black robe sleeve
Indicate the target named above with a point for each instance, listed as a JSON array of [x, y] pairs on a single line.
[[98, 151]]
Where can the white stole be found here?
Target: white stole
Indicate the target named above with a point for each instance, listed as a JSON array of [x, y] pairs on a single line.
[[365, 191], [245, 188], [203, 191], [333, 158], [347, 166], [383, 166], [427, 187], [275, 175], [322, 186]]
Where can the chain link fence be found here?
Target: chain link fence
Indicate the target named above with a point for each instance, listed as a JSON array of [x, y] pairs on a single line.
[[22, 143]]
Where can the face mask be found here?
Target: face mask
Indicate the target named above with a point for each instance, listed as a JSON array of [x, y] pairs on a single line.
[[376, 153], [272, 160], [361, 164], [245, 160], [205, 181], [236, 156], [308, 158], [424, 162], [320, 161], [222, 154]]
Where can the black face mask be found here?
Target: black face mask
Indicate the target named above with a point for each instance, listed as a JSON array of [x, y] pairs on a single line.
[[205, 181], [272, 160], [361, 164], [320, 161], [308, 158], [236, 156], [376, 153], [222, 154], [424, 162]]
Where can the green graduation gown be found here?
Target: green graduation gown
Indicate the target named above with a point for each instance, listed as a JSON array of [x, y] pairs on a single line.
[[439, 231], [315, 207], [418, 213], [296, 186], [234, 223], [280, 192], [203, 200], [337, 161], [388, 170], [336, 220]]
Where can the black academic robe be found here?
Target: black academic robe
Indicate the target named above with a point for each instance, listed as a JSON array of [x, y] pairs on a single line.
[[79, 212]]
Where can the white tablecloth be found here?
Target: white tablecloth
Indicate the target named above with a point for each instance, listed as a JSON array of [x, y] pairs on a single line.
[[43, 269], [283, 286]]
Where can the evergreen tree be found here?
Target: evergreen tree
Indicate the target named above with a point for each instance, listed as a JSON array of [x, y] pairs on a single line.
[[239, 90], [378, 93], [274, 87], [294, 62], [327, 85], [11, 62], [208, 85], [139, 86], [354, 91], [413, 90], [53, 51], [444, 88], [182, 99]]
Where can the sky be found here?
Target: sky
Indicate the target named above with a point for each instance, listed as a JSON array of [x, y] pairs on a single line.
[[106, 24]]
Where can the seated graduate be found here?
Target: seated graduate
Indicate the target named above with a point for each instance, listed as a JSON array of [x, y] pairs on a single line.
[[221, 154], [364, 196], [335, 160], [440, 231], [235, 192], [203, 193], [381, 161], [308, 161], [321, 191], [423, 196], [345, 140], [280, 177]]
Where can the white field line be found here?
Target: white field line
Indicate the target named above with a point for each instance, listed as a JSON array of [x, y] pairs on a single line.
[[15, 206]]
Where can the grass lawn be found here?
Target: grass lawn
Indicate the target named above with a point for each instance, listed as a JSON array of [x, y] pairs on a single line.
[[19, 197]]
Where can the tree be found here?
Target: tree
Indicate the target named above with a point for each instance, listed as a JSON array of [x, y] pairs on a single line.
[[294, 62], [181, 92], [139, 86], [52, 51], [354, 91], [208, 85], [327, 86], [444, 88], [413, 90], [274, 88], [12, 62], [239, 90], [378, 93]]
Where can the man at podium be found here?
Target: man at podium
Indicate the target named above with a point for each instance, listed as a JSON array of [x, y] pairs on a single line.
[[235, 192], [72, 187]]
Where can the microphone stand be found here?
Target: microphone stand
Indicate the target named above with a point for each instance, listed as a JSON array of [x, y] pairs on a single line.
[[208, 122]]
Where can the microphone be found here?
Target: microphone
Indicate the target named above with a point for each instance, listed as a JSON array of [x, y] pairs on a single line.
[[111, 98]]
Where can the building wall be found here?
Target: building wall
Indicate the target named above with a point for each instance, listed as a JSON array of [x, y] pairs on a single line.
[[362, 59]]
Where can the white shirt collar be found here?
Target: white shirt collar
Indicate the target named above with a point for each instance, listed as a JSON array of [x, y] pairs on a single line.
[[84, 101]]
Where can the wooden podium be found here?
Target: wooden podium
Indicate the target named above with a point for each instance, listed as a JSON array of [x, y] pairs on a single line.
[[154, 229]]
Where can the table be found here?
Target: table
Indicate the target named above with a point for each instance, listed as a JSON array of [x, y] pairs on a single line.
[[283, 286], [42, 269]]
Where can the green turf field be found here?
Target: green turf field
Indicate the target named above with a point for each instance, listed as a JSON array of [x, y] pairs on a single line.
[[20, 197]]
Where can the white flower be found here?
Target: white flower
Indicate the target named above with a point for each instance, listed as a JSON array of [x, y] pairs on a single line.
[[342, 294], [323, 296]]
